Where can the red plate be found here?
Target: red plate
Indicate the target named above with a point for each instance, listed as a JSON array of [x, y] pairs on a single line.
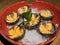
[[37, 4]]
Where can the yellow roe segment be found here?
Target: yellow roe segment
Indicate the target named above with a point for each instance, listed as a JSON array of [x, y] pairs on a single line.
[[34, 20], [20, 10], [45, 13], [12, 17], [11, 32], [16, 32], [46, 29], [49, 26], [25, 9]]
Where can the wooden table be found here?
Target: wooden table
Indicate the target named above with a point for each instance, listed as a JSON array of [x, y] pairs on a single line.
[[6, 3]]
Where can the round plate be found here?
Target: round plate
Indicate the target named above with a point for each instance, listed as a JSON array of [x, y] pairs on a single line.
[[37, 4]]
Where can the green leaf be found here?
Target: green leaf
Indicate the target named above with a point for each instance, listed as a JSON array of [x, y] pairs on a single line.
[[27, 16]]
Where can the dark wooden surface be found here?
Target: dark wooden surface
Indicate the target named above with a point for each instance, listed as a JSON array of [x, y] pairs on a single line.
[[6, 3]]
